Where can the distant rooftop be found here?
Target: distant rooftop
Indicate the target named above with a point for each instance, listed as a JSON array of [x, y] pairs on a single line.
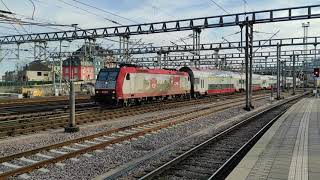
[[37, 66]]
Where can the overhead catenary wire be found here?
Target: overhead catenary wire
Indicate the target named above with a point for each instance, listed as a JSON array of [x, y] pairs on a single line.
[[108, 12], [77, 7], [15, 20], [21, 23], [159, 9], [263, 32], [10, 22], [246, 4], [5, 12], [34, 8], [100, 9], [110, 20], [267, 41], [219, 6]]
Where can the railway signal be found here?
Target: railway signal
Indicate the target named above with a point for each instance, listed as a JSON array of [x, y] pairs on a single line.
[[316, 72]]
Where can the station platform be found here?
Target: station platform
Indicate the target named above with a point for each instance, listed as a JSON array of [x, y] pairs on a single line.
[[290, 149]]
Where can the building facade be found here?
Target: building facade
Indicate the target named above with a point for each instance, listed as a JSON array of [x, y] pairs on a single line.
[[76, 69], [35, 71], [85, 63], [10, 76]]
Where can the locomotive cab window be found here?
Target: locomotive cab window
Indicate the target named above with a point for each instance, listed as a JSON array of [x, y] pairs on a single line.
[[108, 75], [128, 76]]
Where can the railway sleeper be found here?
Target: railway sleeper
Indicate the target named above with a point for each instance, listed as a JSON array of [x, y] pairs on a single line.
[[197, 169], [62, 123]]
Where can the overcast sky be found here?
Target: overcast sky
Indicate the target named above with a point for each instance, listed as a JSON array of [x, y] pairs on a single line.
[[139, 11]]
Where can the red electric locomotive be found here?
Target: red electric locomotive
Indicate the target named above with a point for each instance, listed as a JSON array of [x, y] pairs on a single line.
[[131, 84]]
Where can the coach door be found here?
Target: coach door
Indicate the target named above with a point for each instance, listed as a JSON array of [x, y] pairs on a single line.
[[196, 84], [130, 84]]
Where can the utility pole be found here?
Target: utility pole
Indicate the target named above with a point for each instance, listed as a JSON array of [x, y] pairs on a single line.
[[251, 66], [278, 70], [196, 44], [120, 47], [216, 57], [241, 36], [265, 65], [223, 64], [35, 51], [54, 76], [159, 59], [285, 74], [294, 76], [165, 59], [124, 48], [282, 75], [72, 127], [305, 27], [248, 63], [315, 59], [61, 72]]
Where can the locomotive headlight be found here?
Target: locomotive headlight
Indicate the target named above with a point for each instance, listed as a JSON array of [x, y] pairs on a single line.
[[106, 82], [113, 92]]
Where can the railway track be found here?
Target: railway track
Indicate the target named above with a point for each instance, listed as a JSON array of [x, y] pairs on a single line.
[[215, 157], [52, 99], [23, 107], [28, 161], [56, 106], [35, 122]]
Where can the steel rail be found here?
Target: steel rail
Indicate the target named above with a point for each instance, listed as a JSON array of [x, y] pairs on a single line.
[[31, 125], [156, 172], [167, 121], [227, 167], [40, 100]]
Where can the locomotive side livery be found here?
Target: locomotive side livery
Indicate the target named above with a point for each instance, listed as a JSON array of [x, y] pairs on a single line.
[[130, 84]]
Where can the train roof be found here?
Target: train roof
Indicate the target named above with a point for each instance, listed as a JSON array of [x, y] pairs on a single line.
[[133, 69], [218, 72]]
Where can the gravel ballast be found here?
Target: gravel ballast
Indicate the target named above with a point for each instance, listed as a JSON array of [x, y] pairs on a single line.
[[112, 157], [102, 162], [32, 141]]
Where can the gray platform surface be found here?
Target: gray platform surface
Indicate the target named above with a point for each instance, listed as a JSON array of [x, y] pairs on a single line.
[[290, 149]]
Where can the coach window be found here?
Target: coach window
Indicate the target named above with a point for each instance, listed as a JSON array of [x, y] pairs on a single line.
[[196, 80], [128, 76]]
